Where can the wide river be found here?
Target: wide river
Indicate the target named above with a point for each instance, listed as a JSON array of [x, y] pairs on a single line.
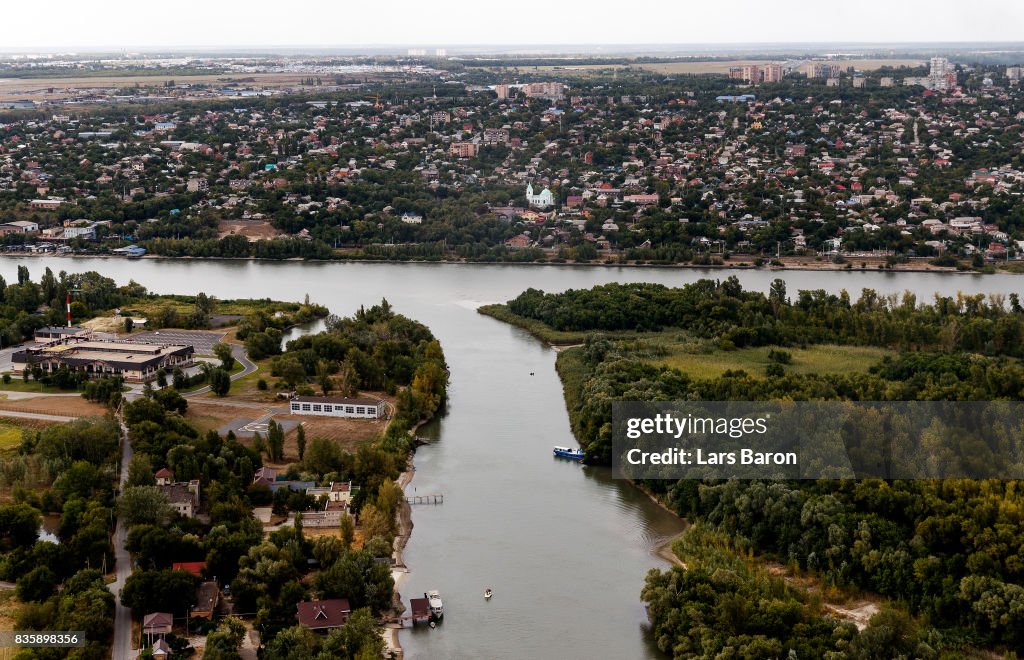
[[564, 547]]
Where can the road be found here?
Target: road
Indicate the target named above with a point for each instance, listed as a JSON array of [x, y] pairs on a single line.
[[240, 355], [122, 647], [40, 416]]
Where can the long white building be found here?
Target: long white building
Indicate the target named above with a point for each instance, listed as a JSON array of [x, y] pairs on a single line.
[[336, 406]]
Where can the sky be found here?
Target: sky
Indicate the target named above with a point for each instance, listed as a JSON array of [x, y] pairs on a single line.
[[127, 24]]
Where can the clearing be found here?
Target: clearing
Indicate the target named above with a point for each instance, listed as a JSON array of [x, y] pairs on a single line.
[[817, 359]]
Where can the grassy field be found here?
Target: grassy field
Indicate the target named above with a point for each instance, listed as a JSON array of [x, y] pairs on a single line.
[[821, 359], [700, 359], [18, 384]]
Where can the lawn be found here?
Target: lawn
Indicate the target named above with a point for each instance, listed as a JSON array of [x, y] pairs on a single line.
[[17, 384], [821, 359]]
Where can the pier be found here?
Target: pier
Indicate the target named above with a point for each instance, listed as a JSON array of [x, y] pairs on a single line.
[[433, 498]]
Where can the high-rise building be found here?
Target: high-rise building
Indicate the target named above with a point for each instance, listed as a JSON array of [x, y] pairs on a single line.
[[771, 73], [441, 52]]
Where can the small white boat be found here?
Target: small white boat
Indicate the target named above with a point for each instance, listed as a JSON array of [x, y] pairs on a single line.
[[436, 606], [487, 594]]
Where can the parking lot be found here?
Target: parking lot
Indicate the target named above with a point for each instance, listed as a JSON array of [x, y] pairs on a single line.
[[202, 341]]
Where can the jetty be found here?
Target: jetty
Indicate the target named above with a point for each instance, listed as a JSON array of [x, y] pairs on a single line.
[[432, 498]]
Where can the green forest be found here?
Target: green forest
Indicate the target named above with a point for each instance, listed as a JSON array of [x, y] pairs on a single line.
[[945, 554]]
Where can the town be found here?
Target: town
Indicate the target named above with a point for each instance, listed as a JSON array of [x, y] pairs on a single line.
[[811, 163]]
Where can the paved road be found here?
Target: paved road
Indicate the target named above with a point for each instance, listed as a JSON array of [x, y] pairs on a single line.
[[40, 416], [247, 364], [122, 648]]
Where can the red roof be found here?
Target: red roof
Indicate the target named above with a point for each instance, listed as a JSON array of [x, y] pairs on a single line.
[[164, 473], [193, 567], [321, 614]]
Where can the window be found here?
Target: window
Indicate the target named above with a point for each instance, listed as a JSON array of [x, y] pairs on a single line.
[[327, 407], [317, 407], [350, 409], [295, 406], [361, 410], [305, 407]]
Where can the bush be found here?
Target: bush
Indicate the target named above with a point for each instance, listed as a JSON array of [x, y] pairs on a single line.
[[261, 385]]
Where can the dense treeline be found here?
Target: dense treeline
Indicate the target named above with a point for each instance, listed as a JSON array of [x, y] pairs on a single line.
[[724, 311], [947, 551], [724, 605], [59, 584]]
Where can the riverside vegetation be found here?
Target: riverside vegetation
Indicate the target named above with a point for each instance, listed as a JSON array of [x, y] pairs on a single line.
[[944, 554]]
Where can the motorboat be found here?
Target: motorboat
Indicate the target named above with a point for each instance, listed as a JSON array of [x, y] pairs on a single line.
[[565, 452]]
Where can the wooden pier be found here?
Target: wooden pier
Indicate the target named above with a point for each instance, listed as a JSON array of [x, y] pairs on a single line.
[[433, 498]]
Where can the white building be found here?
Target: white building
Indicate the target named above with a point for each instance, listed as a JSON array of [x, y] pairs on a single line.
[[542, 200], [336, 406]]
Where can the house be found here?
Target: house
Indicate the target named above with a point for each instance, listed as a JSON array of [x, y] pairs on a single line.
[[46, 204], [207, 597], [164, 477], [182, 497], [324, 615], [157, 623], [336, 406], [19, 227], [265, 476], [341, 491], [161, 649]]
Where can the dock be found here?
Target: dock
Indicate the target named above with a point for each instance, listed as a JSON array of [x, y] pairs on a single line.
[[433, 498]]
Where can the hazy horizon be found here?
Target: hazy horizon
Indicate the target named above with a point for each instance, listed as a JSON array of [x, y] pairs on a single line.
[[117, 25]]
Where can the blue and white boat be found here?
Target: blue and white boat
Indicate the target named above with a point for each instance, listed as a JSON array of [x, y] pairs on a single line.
[[565, 452]]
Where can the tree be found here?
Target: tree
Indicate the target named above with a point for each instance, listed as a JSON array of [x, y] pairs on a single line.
[[38, 584], [347, 531], [222, 644], [159, 591], [140, 471], [144, 505], [129, 324], [220, 382], [300, 440], [275, 441], [224, 354], [323, 377]]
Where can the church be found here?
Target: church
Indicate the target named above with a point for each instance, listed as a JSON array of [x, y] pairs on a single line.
[[542, 200]]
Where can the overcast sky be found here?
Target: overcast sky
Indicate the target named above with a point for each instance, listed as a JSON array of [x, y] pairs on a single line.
[[66, 24]]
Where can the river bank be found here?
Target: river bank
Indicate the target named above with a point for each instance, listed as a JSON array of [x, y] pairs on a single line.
[[852, 263]]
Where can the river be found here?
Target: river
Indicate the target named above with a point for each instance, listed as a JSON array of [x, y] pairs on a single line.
[[564, 547]]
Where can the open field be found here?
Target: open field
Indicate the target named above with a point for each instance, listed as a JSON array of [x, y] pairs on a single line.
[[820, 359], [252, 229], [44, 88], [349, 434], [69, 406], [208, 415]]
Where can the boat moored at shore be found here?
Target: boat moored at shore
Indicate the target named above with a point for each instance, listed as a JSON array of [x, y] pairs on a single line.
[[436, 606], [565, 452]]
